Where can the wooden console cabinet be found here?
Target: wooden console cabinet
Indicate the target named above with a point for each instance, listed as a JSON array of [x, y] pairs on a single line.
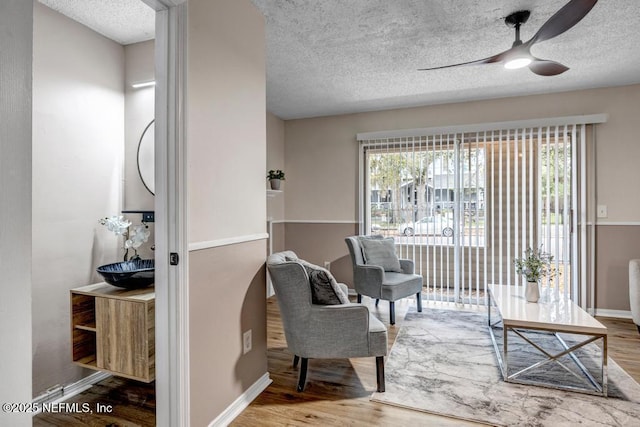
[[113, 330]]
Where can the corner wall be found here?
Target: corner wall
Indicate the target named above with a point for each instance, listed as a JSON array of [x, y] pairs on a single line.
[[78, 157], [226, 148], [329, 195], [139, 106], [16, 40], [275, 201]]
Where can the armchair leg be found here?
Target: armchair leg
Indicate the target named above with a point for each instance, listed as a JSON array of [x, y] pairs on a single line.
[[359, 298], [392, 312], [380, 373], [296, 358], [377, 301], [419, 301], [303, 374]]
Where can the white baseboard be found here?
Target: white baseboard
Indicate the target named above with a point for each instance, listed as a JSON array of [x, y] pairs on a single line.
[[241, 403], [61, 394], [620, 314]]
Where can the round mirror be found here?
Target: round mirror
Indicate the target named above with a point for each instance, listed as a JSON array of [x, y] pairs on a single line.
[[147, 157]]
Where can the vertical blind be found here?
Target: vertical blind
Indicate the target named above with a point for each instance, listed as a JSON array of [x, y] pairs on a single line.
[[463, 205]]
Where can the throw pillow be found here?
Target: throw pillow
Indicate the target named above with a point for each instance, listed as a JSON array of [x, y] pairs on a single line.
[[381, 252], [324, 287]]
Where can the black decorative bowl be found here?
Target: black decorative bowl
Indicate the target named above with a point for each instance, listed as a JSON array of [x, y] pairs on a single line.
[[133, 274]]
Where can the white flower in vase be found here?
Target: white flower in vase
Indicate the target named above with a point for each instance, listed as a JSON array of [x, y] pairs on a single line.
[[133, 238], [116, 224], [137, 237]]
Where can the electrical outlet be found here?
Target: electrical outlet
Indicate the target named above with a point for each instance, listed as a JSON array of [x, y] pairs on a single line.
[[602, 211], [327, 265], [246, 342]]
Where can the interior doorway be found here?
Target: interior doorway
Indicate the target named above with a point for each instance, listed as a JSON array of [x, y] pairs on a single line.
[[171, 391]]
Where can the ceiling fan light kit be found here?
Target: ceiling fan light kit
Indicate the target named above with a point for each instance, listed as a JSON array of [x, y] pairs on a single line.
[[519, 55], [515, 63]]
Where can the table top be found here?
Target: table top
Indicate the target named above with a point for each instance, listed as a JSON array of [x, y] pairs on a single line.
[[103, 289], [549, 313]]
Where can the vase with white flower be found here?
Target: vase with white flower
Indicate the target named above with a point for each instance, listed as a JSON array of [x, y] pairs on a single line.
[[534, 266], [134, 236]]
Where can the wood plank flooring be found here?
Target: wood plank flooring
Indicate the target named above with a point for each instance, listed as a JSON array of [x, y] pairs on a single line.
[[337, 391], [133, 404]]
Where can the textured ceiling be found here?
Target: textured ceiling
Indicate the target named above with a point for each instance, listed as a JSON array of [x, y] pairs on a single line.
[[123, 21], [342, 56], [335, 56]]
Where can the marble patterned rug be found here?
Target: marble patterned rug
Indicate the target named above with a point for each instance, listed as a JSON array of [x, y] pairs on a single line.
[[443, 362]]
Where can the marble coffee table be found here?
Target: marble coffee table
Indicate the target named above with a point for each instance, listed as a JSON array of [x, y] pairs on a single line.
[[551, 315]]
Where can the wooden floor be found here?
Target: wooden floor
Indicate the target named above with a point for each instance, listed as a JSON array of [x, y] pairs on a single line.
[[337, 391], [133, 404]]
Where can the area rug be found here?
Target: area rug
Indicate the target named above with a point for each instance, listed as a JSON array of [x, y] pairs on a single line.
[[443, 362]]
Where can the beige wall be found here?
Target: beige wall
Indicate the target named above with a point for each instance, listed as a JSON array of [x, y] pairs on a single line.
[[331, 141], [78, 149], [226, 94], [322, 158], [16, 32], [226, 146]]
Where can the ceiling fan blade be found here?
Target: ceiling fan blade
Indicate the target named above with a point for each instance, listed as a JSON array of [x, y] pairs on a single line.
[[544, 67], [490, 60], [564, 19]]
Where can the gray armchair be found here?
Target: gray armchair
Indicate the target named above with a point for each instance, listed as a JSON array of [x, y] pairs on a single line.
[[323, 331], [374, 282]]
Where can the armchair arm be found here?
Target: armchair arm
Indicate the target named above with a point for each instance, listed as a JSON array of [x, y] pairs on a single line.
[[407, 266], [336, 331], [344, 288], [368, 280]]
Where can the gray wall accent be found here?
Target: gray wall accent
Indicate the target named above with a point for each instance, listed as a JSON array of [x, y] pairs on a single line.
[[616, 245], [227, 298], [319, 242], [16, 39]]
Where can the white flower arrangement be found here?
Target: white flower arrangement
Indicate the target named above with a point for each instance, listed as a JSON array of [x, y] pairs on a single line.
[[133, 238]]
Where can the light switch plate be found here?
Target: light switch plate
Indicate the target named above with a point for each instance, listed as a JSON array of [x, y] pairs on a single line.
[[246, 342], [601, 211]]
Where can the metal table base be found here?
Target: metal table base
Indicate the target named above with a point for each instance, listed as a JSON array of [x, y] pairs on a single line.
[[592, 386]]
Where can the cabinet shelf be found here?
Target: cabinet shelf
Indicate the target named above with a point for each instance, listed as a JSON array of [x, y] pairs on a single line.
[[90, 327], [112, 330], [87, 362]]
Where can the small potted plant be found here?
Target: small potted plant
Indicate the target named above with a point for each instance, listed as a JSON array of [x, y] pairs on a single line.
[[274, 177], [535, 266]]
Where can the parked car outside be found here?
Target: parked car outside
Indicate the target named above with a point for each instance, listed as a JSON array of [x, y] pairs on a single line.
[[427, 225]]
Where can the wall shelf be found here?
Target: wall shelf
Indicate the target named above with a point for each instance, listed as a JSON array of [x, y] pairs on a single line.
[[147, 216]]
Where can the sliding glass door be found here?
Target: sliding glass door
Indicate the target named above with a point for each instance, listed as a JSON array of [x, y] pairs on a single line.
[[464, 205]]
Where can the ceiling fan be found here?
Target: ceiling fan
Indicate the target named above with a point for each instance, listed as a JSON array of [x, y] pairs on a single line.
[[520, 53]]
